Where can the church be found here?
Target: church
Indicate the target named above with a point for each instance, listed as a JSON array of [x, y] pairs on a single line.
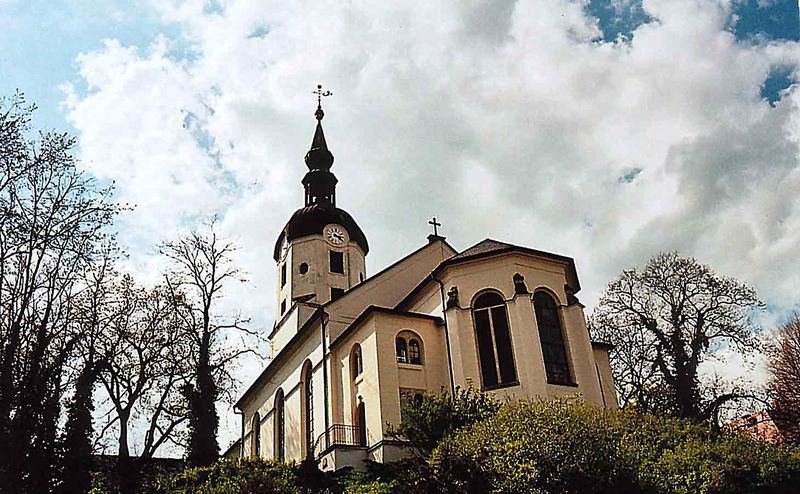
[[347, 348]]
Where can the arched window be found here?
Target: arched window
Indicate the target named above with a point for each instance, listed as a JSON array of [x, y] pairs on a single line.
[[308, 408], [494, 342], [280, 426], [362, 423], [356, 362], [408, 346], [414, 352], [552, 337], [255, 436], [401, 349]]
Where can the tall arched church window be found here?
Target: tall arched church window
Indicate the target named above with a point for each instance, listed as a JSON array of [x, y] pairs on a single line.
[[401, 349], [494, 341], [280, 426], [552, 337], [255, 436], [362, 423], [414, 352], [308, 408], [356, 361]]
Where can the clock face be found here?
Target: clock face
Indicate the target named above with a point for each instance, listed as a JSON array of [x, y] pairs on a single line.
[[335, 235]]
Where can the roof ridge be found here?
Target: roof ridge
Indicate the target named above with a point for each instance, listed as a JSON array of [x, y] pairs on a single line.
[[485, 245]]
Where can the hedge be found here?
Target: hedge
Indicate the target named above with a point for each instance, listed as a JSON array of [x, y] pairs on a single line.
[[569, 446]]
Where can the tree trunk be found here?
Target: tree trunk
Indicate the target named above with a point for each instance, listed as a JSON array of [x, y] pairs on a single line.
[[124, 416], [203, 447]]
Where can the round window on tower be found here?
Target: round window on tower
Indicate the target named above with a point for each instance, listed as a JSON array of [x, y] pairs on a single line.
[[303, 268]]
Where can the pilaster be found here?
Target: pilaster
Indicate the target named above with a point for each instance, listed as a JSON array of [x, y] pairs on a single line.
[[580, 353], [463, 349], [527, 347]]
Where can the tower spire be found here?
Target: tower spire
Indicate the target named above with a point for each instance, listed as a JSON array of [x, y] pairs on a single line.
[[319, 137], [319, 182], [318, 157]]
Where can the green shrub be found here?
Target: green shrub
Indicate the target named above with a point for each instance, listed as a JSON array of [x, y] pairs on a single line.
[[411, 475], [234, 477], [439, 415], [569, 446], [368, 483], [562, 445]]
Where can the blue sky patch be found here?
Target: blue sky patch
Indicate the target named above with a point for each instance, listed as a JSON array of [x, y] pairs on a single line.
[[618, 18], [779, 79], [259, 32], [39, 40], [214, 7], [750, 20], [766, 20], [630, 175]]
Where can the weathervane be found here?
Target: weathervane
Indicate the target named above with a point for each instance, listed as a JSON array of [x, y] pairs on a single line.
[[320, 93]]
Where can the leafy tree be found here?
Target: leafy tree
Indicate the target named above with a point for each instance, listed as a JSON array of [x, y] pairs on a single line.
[[784, 382], [77, 444], [664, 321]]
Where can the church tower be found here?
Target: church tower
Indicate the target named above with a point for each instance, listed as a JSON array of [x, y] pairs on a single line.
[[321, 251]]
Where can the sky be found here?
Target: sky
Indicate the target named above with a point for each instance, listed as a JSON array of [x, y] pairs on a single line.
[[603, 130]]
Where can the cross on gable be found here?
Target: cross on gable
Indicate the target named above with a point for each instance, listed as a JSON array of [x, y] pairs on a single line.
[[435, 224]]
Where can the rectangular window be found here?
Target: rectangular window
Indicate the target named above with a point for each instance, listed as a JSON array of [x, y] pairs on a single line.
[[337, 262], [336, 293], [283, 307], [283, 275]]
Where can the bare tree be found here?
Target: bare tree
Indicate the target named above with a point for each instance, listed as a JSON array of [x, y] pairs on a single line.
[[202, 267], [784, 384], [144, 366], [53, 229], [664, 321]]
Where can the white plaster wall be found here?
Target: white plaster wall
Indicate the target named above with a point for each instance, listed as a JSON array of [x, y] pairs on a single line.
[[497, 273]]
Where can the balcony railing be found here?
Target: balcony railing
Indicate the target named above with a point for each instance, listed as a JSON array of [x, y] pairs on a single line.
[[338, 435]]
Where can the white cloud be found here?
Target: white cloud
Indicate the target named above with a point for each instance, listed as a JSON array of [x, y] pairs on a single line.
[[440, 104]]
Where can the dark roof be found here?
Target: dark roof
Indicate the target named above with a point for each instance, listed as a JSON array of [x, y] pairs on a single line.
[[489, 248], [483, 247], [311, 220]]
